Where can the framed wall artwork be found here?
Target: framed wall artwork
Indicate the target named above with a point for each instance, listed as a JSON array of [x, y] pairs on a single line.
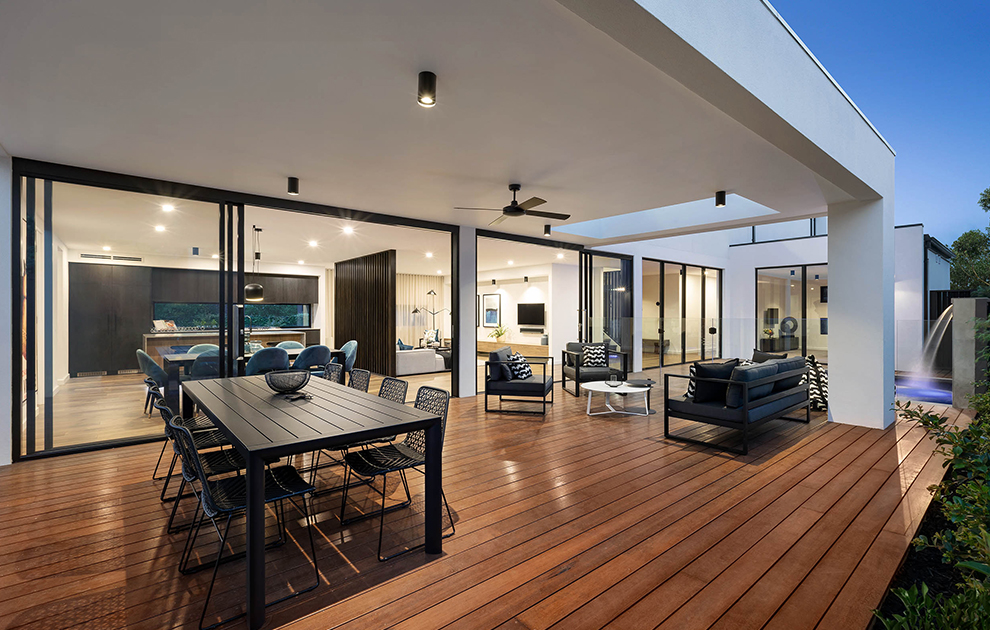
[[491, 310], [823, 324], [771, 317]]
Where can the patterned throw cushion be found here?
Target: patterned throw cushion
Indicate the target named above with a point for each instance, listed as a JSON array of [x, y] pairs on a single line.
[[430, 336], [593, 355], [519, 366], [817, 384]]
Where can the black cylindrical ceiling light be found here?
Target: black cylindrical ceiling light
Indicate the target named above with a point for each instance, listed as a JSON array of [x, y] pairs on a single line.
[[720, 199], [427, 96], [546, 230], [293, 185]]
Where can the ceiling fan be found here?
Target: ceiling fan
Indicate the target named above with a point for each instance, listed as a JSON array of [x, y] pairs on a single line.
[[524, 209]]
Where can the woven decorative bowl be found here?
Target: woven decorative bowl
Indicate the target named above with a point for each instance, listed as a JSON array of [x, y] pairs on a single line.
[[287, 381]]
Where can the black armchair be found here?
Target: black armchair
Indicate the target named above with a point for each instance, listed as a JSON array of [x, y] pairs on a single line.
[[572, 369], [539, 385]]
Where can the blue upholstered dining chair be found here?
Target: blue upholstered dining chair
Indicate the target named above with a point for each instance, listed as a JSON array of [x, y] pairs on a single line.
[[312, 358], [350, 355], [151, 369], [267, 360], [290, 345], [206, 365], [200, 348]]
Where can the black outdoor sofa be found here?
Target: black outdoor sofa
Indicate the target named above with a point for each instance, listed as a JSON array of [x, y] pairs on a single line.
[[499, 382], [571, 358], [754, 395]]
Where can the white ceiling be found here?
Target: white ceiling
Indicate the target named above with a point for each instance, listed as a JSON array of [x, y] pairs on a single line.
[[241, 95], [86, 219]]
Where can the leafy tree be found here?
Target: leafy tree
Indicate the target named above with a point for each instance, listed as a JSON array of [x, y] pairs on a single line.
[[971, 265]]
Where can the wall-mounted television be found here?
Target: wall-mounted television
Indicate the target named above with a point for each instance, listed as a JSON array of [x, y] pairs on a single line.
[[531, 314]]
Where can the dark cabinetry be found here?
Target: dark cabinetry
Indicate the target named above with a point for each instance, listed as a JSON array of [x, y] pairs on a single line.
[[185, 285], [109, 311]]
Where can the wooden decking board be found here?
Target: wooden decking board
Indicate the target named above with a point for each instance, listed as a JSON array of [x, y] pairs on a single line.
[[603, 562], [415, 583], [563, 552], [726, 581], [551, 514], [811, 598], [641, 572], [368, 525]]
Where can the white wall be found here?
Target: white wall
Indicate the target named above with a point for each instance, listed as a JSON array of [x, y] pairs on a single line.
[[909, 297], [514, 291], [6, 304], [739, 311], [563, 306], [938, 272]]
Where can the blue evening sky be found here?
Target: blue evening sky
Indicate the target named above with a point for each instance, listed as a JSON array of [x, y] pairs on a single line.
[[920, 71]]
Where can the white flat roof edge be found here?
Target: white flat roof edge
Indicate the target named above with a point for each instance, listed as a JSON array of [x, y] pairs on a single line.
[[821, 67]]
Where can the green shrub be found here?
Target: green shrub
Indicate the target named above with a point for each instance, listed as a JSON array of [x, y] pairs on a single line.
[[924, 611]]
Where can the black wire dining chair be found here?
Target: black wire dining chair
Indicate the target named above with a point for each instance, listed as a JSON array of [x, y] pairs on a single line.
[[227, 497], [390, 458], [393, 389], [206, 434], [360, 379], [334, 372]]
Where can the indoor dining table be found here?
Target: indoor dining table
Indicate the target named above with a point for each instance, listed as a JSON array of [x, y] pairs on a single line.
[[264, 425]]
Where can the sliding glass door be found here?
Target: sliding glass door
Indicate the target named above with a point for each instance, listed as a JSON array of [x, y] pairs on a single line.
[[792, 310], [606, 313], [97, 265], [688, 310]]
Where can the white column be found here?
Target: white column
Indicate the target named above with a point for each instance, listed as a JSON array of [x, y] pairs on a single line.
[[637, 310], [465, 332], [861, 313], [6, 304]]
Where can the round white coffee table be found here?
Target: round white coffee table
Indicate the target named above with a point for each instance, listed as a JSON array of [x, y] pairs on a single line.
[[604, 388]]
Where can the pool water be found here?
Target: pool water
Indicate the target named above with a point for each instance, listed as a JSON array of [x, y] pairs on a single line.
[[921, 389]]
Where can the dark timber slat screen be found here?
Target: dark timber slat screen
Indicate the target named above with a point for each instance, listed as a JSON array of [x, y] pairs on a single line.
[[365, 309]]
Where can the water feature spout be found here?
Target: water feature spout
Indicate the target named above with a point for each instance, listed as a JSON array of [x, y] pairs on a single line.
[[934, 342]]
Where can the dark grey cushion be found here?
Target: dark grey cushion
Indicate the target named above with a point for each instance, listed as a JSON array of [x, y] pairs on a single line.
[[748, 374], [762, 357], [794, 364], [588, 374], [683, 404], [712, 392], [535, 385], [500, 372]]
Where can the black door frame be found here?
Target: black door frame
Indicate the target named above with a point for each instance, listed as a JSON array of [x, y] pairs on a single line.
[[683, 305], [586, 308], [23, 168], [804, 300]]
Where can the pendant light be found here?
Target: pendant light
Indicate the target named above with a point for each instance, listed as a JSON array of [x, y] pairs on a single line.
[[720, 199], [254, 292]]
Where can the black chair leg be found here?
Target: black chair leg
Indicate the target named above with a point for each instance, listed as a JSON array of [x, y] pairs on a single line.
[[216, 568], [171, 471], [154, 475]]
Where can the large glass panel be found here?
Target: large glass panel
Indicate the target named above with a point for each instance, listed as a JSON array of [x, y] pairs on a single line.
[[101, 259], [712, 324], [652, 314], [673, 325], [786, 229], [693, 317], [527, 298], [818, 312], [779, 310]]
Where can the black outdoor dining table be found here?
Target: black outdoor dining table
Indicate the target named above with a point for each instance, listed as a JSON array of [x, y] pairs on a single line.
[[262, 424]]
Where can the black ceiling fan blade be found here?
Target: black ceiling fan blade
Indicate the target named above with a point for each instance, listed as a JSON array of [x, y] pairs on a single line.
[[498, 220], [462, 208], [532, 202], [547, 215]]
